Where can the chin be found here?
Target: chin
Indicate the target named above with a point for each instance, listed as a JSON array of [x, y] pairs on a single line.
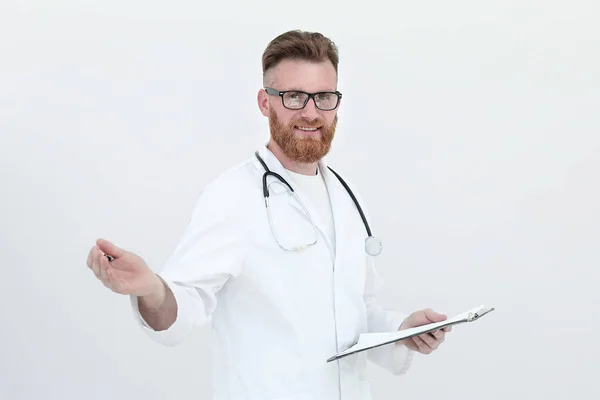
[[307, 136]]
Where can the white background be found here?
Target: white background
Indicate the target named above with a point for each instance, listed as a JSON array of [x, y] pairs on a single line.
[[470, 127]]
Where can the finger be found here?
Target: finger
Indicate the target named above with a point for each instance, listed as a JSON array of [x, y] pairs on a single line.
[[430, 340], [447, 329], [434, 316], [90, 257], [109, 248], [438, 335], [96, 262], [423, 347], [104, 266]]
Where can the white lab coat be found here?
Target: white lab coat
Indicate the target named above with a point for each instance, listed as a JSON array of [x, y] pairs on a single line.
[[277, 315]]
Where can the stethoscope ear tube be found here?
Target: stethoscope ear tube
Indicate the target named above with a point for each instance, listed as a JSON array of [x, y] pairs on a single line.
[[267, 173]]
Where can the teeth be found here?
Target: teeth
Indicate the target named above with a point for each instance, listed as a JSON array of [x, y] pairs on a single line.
[[307, 129]]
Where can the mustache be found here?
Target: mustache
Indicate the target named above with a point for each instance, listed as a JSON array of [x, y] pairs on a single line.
[[309, 124]]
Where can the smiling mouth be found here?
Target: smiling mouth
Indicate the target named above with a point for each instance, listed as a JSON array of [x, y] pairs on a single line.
[[306, 129]]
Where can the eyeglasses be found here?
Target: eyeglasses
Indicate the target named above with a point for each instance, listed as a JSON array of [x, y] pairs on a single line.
[[297, 99]]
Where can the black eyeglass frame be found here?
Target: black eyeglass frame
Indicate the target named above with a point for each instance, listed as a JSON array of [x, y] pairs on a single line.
[[281, 93]]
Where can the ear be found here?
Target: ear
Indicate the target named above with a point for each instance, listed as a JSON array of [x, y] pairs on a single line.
[[263, 102]]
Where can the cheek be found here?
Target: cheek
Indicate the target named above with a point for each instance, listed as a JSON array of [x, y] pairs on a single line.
[[329, 118], [288, 118]]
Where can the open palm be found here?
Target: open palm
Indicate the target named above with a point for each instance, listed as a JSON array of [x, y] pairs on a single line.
[[126, 274]]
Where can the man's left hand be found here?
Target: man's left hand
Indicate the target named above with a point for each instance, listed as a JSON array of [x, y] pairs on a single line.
[[427, 342]]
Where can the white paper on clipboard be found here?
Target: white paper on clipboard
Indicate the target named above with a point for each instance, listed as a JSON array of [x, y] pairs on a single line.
[[368, 341]]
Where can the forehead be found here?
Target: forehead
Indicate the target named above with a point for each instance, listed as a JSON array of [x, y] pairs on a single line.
[[304, 75]]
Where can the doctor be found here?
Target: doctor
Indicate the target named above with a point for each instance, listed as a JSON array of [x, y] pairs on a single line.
[[277, 255]]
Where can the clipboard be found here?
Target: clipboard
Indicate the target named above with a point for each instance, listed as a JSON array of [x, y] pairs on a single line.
[[368, 341]]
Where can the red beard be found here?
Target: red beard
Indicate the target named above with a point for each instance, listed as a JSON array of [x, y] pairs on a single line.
[[308, 149]]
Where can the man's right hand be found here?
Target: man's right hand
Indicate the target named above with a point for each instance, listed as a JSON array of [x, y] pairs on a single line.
[[126, 274]]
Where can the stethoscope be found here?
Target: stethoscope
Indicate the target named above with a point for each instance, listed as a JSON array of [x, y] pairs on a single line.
[[373, 245]]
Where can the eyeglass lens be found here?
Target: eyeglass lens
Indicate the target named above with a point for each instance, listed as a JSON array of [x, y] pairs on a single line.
[[323, 101]]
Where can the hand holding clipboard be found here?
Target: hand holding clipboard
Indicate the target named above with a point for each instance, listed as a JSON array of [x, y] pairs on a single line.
[[368, 341]]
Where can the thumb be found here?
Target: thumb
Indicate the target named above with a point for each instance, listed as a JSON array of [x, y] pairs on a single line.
[[109, 248], [434, 316]]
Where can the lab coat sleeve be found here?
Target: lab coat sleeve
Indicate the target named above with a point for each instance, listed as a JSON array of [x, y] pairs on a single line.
[[209, 253], [396, 358]]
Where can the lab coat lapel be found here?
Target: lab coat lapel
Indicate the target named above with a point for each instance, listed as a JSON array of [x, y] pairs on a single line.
[[275, 166], [339, 198], [316, 217]]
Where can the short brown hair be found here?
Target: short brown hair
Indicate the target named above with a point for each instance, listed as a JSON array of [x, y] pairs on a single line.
[[299, 45]]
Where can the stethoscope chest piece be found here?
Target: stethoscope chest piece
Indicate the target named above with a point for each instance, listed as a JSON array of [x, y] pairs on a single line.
[[373, 246]]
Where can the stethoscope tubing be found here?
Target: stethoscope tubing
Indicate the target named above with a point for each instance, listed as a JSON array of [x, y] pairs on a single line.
[[268, 173]]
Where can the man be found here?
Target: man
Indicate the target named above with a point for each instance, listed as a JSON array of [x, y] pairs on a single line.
[[278, 313]]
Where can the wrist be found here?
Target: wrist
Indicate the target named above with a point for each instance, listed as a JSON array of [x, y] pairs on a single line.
[[156, 296]]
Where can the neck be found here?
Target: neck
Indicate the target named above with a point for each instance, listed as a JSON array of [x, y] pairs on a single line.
[[291, 165]]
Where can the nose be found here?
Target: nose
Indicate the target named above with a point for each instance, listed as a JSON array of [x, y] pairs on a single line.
[[310, 111]]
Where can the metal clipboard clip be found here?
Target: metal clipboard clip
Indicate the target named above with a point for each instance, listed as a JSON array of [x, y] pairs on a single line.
[[473, 315]]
